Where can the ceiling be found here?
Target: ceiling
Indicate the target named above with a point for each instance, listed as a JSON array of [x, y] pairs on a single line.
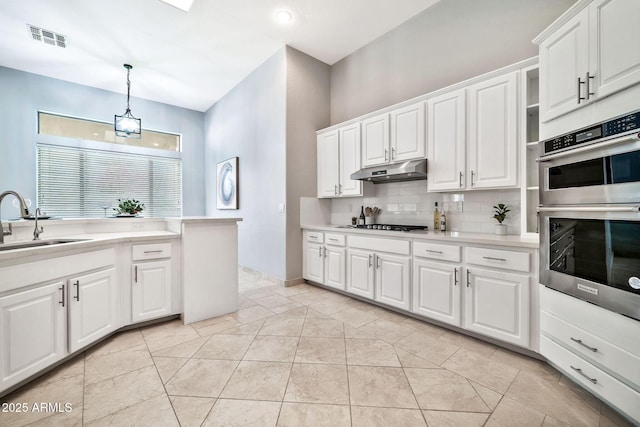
[[186, 59]]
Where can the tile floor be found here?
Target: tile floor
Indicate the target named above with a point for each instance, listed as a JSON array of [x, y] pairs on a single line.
[[304, 356]]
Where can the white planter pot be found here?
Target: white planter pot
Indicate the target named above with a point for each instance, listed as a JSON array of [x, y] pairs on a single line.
[[501, 229]]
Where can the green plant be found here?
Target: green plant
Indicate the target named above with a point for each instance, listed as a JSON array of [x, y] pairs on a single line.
[[501, 212], [129, 206]]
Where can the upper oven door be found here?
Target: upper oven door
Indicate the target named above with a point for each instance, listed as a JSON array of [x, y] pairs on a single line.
[[600, 173]]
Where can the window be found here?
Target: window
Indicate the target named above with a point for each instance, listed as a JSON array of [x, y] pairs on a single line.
[[80, 182]]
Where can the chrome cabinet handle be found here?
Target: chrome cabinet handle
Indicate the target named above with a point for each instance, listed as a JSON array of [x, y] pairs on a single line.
[[325, 252], [135, 274], [472, 173], [494, 259], [393, 153], [154, 252], [313, 237], [580, 82], [320, 251], [455, 277], [578, 370], [332, 240], [588, 81], [61, 289], [460, 179], [335, 189], [386, 152], [468, 278], [594, 349], [370, 261], [339, 188], [77, 285], [378, 262], [434, 252]]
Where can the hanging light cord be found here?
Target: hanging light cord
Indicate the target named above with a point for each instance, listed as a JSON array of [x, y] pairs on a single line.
[[128, 67]]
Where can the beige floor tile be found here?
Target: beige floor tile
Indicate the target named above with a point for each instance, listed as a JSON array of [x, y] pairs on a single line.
[[116, 343], [491, 398], [168, 366], [251, 314], [258, 381], [553, 399], [299, 312], [439, 389], [201, 378], [292, 290], [469, 343], [330, 307], [185, 349], [168, 334], [305, 298], [371, 353], [455, 419], [593, 402], [65, 390], [487, 372], [327, 328], [389, 315], [549, 421], [361, 305], [224, 346], [219, 320], [409, 360], [380, 386], [317, 415], [258, 293], [244, 302], [385, 417], [510, 413], [380, 329], [313, 383], [273, 301], [288, 308], [247, 329], [424, 327], [153, 412], [227, 323], [69, 369], [525, 363], [427, 347], [282, 326], [610, 418], [191, 411], [243, 413], [100, 366], [110, 396], [313, 314], [272, 349], [64, 419], [355, 317], [321, 350]]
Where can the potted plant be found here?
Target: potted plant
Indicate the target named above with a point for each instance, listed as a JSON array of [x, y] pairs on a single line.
[[128, 207], [500, 215]]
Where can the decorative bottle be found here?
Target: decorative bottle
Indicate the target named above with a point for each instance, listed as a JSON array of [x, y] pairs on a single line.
[[436, 219], [443, 221], [361, 219]]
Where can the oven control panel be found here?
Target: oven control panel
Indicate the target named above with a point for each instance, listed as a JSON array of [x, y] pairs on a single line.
[[619, 125]]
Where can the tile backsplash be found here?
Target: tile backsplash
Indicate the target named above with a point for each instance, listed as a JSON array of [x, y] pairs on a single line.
[[409, 203]]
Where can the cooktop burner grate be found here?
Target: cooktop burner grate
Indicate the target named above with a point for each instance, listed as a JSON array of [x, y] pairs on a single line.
[[393, 227]]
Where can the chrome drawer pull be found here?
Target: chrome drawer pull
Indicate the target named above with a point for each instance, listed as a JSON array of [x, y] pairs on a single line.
[[154, 252], [313, 237], [494, 259], [578, 370], [455, 277], [61, 289], [434, 252], [583, 344], [333, 240]]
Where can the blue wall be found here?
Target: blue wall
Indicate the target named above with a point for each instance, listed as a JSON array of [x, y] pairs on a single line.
[[23, 94]]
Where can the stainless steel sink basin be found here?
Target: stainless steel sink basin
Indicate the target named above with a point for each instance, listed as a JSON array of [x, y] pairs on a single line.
[[345, 226], [37, 243]]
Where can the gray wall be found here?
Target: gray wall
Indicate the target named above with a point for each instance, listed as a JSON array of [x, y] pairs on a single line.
[[307, 110], [449, 42], [250, 122], [23, 94]]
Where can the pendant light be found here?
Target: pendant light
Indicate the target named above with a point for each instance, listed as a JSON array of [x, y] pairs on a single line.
[[126, 125]]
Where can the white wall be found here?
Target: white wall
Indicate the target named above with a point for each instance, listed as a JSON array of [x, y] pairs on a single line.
[[250, 122], [447, 43]]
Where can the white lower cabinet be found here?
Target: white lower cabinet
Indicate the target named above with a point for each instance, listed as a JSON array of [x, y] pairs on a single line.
[[33, 331], [335, 266], [436, 291], [151, 290], [325, 263], [497, 305], [314, 262], [392, 280], [360, 273]]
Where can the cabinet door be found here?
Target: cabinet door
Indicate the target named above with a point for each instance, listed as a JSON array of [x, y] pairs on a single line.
[[446, 140], [375, 140], [314, 262], [493, 133], [360, 273], [349, 160], [151, 290], [334, 267], [328, 169], [497, 305], [436, 291], [407, 133], [614, 31], [93, 307], [392, 280], [32, 332], [564, 59]]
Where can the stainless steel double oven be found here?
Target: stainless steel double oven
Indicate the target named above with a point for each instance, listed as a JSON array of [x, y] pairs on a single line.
[[590, 214]]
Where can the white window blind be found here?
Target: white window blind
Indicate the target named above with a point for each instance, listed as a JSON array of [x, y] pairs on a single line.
[[80, 182]]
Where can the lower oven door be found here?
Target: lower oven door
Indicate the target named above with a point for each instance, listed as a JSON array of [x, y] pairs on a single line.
[[593, 253]]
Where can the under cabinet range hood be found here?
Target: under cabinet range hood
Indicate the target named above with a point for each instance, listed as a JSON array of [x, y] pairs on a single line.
[[411, 170]]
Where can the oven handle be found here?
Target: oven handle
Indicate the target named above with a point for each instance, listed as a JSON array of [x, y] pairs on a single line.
[[626, 138], [589, 209]]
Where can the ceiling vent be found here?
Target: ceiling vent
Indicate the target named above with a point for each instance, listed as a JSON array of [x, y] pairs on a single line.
[[47, 37]]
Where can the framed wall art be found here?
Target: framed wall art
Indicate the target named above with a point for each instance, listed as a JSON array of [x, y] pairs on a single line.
[[227, 184]]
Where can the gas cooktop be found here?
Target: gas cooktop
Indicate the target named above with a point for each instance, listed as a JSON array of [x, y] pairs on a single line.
[[393, 227]]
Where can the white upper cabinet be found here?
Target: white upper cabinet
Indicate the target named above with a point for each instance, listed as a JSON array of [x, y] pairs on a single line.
[[446, 140], [590, 56], [338, 158], [493, 133], [375, 140], [407, 133]]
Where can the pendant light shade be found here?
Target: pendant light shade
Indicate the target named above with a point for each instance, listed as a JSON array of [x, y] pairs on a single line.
[[126, 125]]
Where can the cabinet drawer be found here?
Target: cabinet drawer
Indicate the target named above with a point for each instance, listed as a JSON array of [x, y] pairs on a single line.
[[151, 251], [520, 261], [314, 236], [605, 386], [591, 347], [436, 251], [335, 239], [394, 246]]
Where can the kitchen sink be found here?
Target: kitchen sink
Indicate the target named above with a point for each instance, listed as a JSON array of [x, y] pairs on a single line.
[[345, 226], [37, 243]]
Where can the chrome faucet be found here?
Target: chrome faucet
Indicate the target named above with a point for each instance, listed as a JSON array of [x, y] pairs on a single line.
[[23, 211], [37, 231]]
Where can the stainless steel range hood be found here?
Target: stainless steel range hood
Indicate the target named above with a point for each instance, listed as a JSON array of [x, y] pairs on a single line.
[[411, 170]]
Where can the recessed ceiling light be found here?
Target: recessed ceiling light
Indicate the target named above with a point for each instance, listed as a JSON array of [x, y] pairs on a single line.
[[283, 16], [184, 5]]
